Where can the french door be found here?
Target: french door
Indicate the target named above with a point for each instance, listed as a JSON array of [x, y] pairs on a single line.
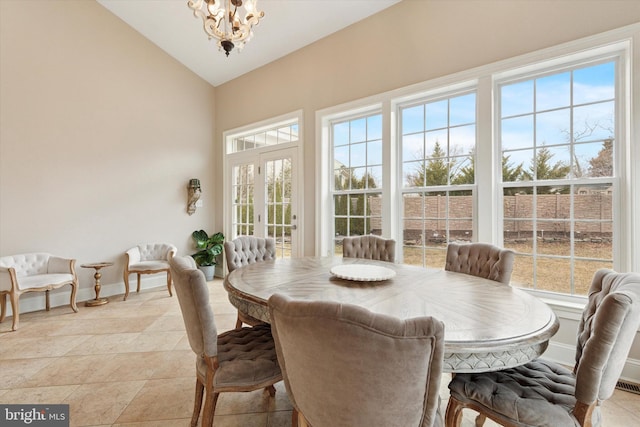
[[264, 198]]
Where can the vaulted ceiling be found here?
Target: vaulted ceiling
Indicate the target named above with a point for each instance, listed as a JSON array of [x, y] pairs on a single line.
[[288, 25]]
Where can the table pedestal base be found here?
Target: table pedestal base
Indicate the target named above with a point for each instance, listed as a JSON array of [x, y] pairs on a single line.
[[96, 302], [97, 266]]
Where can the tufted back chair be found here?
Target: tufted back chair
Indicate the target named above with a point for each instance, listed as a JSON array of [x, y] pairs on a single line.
[[344, 365], [34, 272], [245, 250], [148, 258], [542, 393], [27, 264], [606, 331], [369, 247], [156, 251], [481, 260], [242, 359]]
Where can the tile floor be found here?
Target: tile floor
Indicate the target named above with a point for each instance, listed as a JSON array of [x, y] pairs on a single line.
[[128, 363]]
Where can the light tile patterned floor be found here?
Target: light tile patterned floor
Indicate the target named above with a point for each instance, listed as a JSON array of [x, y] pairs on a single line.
[[128, 363]]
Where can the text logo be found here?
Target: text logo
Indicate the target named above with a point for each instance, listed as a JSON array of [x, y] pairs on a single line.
[[34, 415]]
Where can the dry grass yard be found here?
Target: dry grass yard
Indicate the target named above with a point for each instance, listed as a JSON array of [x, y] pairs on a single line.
[[552, 274]]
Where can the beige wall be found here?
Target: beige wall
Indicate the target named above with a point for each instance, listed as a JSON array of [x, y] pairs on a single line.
[[411, 42], [100, 133]]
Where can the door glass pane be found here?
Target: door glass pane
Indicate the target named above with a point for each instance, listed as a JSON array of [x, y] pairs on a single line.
[[278, 186], [243, 199]]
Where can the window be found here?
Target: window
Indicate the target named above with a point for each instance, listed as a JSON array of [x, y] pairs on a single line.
[[278, 134], [357, 177], [438, 150], [534, 153], [557, 132]]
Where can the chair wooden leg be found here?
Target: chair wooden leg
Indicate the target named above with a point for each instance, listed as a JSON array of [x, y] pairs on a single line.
[[126, 285], [238, 322], [209, 408], [271, 390], [15, 308], [138, 289], [72, 299], [453, 415], [197, 404], [169, 283], [480, 419], [294, 418], [3, 306], [47, 306]]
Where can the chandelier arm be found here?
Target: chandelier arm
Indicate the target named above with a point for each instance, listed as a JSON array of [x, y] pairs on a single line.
[[217, 20]]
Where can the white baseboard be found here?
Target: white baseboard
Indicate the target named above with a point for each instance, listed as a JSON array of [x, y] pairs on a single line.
[[35, 301]]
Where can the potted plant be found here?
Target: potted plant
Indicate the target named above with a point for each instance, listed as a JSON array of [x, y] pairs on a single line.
[[209, 248]]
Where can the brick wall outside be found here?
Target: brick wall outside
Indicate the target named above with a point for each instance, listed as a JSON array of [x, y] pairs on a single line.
[[552, 214]]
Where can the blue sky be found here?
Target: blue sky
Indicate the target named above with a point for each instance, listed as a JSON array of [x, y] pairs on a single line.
[[542, 111]]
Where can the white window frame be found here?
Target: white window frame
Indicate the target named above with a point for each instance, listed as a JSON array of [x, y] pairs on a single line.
[[617, 53], [434, 95], [624, 41]]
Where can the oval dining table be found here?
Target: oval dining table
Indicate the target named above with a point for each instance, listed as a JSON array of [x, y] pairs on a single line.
[[488, 325]]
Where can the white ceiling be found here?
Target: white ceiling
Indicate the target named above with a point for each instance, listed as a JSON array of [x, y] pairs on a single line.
[[288, 25]]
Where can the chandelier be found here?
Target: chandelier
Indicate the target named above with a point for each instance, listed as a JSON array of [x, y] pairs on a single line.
[[224, 22]]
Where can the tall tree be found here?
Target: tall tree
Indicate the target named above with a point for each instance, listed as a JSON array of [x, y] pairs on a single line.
[[511, 173], [465, 174], [542, 169], [435, 171], [602, 163], [354, 206]]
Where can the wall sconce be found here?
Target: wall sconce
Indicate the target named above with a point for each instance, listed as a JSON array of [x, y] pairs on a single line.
[[194, 195]]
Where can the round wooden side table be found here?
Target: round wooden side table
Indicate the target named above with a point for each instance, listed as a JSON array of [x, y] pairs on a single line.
[[97, 266]]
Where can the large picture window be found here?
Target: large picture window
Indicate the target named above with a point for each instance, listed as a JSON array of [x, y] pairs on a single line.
[[558, 133], [357, 177], [438, 150]]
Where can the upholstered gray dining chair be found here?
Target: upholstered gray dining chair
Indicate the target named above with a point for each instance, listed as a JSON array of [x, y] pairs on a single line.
[[482, 260], [542, 393], [245, 250], [242, 359], [344, 366], [148, 258], [369, 247]]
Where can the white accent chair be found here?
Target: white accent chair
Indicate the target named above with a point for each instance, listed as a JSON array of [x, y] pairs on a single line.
[[34, 272], [148, 258]]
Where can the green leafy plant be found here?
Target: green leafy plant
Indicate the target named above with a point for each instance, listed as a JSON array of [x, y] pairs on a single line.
[[209, 247]]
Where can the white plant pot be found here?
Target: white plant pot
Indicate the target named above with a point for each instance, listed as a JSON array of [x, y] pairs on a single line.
[[208, 271]]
